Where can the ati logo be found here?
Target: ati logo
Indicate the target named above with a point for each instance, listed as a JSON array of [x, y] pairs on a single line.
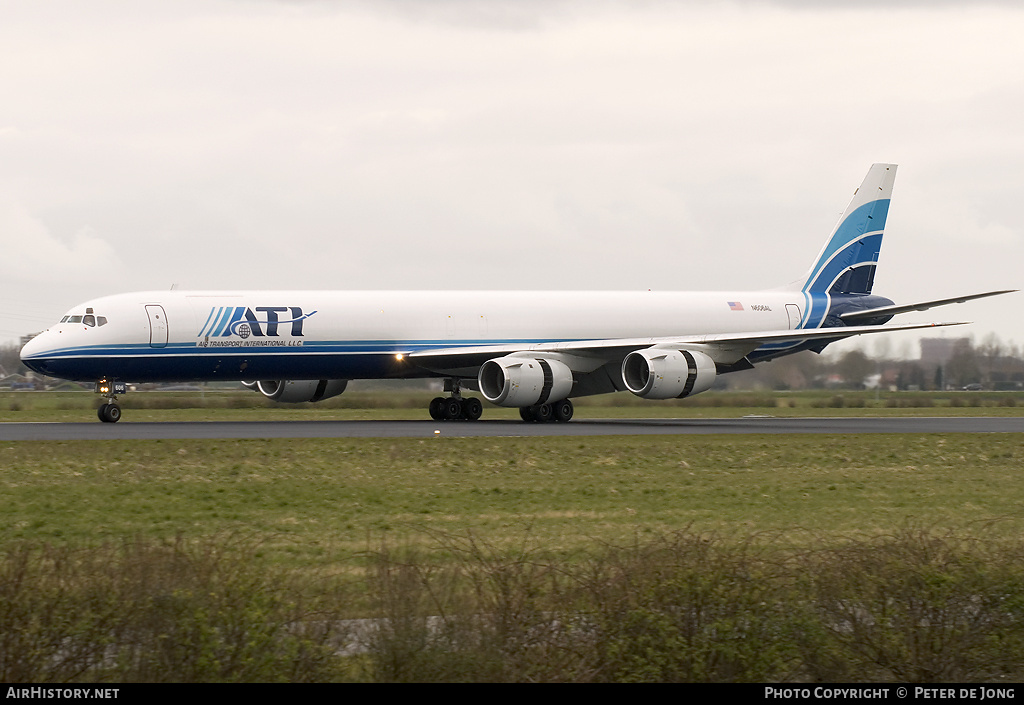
[[242, 321]]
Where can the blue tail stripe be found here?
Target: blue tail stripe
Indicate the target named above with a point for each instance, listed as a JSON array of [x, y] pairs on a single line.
[[850, 245], [862, 251], [816, 306]]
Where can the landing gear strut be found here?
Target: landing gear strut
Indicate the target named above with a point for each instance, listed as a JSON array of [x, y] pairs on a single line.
[[110, 412], [455, 407]]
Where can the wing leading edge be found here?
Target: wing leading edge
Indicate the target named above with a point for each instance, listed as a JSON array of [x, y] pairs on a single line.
[[724, 348]]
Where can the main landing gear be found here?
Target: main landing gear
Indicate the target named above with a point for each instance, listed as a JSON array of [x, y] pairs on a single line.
[[560, 411], [456, 408], [110, 412]]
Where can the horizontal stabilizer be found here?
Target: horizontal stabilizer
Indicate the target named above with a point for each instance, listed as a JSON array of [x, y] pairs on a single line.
[[853, 316]]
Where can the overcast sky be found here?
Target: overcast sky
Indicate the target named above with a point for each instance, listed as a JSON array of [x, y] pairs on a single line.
[[461, 144]]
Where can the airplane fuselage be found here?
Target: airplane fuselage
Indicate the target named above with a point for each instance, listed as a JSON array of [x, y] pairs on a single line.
[[170, 336]]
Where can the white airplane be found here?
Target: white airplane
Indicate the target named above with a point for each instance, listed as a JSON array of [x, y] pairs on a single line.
[[529, 349]]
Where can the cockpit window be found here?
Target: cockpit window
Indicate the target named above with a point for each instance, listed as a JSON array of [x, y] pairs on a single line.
[[88, 319]]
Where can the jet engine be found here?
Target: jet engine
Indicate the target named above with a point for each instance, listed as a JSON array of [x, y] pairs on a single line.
[[524, 381], [658, 373], [300, 390]]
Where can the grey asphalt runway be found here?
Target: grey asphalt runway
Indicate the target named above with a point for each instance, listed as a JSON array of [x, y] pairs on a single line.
[[126, 430]]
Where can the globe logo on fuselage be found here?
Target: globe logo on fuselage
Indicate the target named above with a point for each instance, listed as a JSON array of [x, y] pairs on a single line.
[[244, 331]]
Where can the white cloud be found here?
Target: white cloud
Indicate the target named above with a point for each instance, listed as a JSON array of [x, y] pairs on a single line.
[[32, 254]]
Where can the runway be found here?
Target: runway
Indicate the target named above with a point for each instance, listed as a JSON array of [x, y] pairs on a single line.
[[127, 430]]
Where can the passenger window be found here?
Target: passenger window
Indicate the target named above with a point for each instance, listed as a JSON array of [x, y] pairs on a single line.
[[75, 319], [89, 320], [101, 320]]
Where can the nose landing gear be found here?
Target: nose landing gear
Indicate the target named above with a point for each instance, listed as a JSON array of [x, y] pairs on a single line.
[[110, 412]]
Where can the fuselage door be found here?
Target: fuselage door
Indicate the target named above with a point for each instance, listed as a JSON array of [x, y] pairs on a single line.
[[794, 316], [157, 326]]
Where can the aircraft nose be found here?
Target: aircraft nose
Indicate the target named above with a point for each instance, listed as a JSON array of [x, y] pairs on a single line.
[[32, 347], [35, 351]]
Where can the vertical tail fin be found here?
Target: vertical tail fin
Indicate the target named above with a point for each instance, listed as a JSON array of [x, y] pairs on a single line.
[[847, 263]]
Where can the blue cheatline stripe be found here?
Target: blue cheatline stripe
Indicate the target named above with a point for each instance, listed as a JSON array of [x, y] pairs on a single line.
[[383, 347], [869, 218], [815, 307]]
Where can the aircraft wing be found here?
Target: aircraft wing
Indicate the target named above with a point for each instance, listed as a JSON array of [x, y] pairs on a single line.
[[723, 348], [853, 316]]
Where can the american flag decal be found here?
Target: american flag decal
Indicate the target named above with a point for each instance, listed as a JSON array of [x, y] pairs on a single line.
[[735, 306]]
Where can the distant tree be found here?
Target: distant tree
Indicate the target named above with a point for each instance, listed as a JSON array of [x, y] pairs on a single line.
[[10, 359], [790, 372], [990, 353], [991, 346], [910, 376], [963, 367], [854, 367], [882, 347]]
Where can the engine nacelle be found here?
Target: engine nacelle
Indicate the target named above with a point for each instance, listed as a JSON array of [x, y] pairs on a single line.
[[294, 391], [524, 381], [659, 373]]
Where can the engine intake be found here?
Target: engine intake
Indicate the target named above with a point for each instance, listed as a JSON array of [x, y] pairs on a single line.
[[657, 373], [295, 391], [524, 381]]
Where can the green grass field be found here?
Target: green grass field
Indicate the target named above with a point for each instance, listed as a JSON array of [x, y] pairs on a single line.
[[307, 499], [801, 557]]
